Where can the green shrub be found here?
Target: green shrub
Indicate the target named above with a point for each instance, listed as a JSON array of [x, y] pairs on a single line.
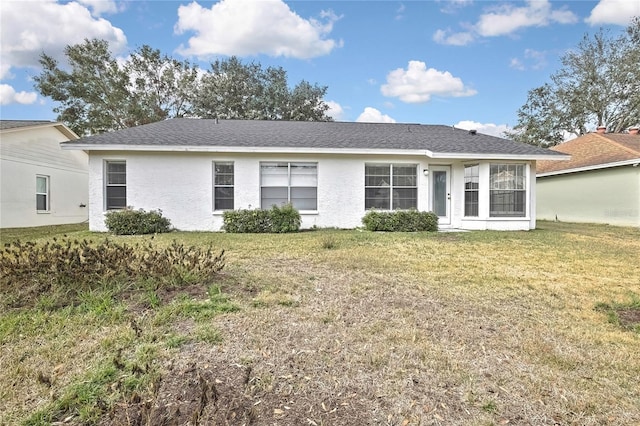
[[400, 221], [136, 222], [276, 220], [65, 269]]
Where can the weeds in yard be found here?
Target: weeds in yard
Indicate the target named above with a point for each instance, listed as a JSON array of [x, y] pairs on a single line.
[[625, 315]]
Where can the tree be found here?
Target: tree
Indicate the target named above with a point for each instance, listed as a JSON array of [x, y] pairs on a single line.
[[98, 94], [234, 90], [598, 85]]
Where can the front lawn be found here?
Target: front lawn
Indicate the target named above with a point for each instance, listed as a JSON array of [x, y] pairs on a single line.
[[341, 328]]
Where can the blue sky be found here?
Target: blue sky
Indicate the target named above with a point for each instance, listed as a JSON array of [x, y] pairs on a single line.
[[467, 63]]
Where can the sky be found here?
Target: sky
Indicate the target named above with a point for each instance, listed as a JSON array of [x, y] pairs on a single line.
[[465, 63]]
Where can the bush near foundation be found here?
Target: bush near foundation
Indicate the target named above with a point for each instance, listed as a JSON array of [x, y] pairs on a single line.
[[136, 222], [276, 220], [400, 221]]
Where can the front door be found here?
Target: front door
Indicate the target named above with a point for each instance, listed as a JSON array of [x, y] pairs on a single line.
[[441, 193]]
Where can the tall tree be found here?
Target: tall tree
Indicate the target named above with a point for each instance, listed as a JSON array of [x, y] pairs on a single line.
[[99, 94], [597, 85], [235, 90]]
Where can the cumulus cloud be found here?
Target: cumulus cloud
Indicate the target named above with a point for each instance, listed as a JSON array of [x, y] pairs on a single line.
[[618, 12], [372, 115], [99, 7], [249, 27], [506, 19], [8, 95], [30, 28], [484, 128], [417, 84], [335, 110]]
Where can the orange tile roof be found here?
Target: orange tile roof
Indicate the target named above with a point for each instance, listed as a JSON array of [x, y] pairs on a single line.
[[594, 149]]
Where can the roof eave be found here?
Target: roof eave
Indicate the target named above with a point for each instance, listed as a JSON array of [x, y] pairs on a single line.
[[632, 162], [497, 156]]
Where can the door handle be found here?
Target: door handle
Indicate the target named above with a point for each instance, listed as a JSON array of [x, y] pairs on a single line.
[[448, 196]]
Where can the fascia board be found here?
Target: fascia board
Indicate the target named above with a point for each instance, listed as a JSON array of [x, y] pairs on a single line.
[[632, 162], [496, 156]]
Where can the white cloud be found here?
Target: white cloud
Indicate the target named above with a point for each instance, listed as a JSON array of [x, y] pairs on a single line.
[[249, 27], [372, 115], [335, 110], [8, 95], [506, 19], [484, 128], [617, 12], [30, 28], [533, 59], [418, 83], [100, 7]]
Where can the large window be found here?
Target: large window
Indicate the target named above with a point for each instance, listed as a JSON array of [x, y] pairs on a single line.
[[42, 193], [116, 185], [471, 188], [223, 186], [390, 186], [507, 187], [295, 183]]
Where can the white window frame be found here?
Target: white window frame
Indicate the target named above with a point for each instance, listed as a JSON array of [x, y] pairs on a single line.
[[108, 185], [519, 189], [289, 186], [468, 179], [46, 194], [218, 185], [390, 184]]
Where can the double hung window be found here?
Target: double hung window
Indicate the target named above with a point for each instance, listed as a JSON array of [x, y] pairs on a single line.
[[471, 190], [507, 190], [42, 193], [390, 186], [116, 185], [223, 177], [294, 183]]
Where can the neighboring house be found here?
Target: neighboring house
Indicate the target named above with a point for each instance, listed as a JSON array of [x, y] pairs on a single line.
[[40, 184], [599, 184], [332, 172]]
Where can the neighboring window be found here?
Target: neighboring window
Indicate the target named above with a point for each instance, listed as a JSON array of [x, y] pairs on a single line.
[[390, 186], [42, 193], [507, 187], [295, 183], [223, 186], [116, 185], [471, 181]]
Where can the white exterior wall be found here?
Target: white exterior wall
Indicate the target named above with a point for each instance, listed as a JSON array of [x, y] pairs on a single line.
[[24, 154], [610, 196], [181, 185]]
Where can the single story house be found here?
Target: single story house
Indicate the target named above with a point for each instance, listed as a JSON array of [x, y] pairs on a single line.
[[599, 184], [40, 184], [332, 172]]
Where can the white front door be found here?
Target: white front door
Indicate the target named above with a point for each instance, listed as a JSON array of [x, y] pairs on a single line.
[[440, 177]]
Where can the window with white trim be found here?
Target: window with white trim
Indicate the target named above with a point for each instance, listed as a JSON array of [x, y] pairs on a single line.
[[471, 190], [507, 190], [223, 181], [42, 193], [390, 186], [115, 185], [294, 183]]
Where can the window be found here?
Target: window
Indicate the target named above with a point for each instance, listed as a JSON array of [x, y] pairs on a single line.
[[223, 186], [42, 193], [507, 186], [471, 180], [390, 186], [295, 183], [116, 187]]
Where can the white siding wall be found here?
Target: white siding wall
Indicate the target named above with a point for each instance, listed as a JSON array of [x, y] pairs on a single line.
[[27, 153], [180, 184], [610, 196]]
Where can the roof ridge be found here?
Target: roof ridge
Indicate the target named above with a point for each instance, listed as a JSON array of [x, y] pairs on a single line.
[[618, 144]]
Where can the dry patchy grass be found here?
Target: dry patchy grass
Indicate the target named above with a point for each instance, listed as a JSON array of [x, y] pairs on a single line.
[[374, 328]]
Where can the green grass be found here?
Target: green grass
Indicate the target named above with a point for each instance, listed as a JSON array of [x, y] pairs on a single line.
[[347, 327]]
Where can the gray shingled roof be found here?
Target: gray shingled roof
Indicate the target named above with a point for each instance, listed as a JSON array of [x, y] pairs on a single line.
[[13, 124], [184, 132]]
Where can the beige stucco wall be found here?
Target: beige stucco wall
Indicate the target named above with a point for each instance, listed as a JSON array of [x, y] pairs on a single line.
[[610, 196], [26, 153]]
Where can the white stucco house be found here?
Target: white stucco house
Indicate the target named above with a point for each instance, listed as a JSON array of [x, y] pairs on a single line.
[[41, 184], [332, 172], [599, 184]]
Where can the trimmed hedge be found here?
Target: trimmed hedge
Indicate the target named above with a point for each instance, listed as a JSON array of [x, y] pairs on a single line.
[[276, 220], [400, 221], [136, 222]]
